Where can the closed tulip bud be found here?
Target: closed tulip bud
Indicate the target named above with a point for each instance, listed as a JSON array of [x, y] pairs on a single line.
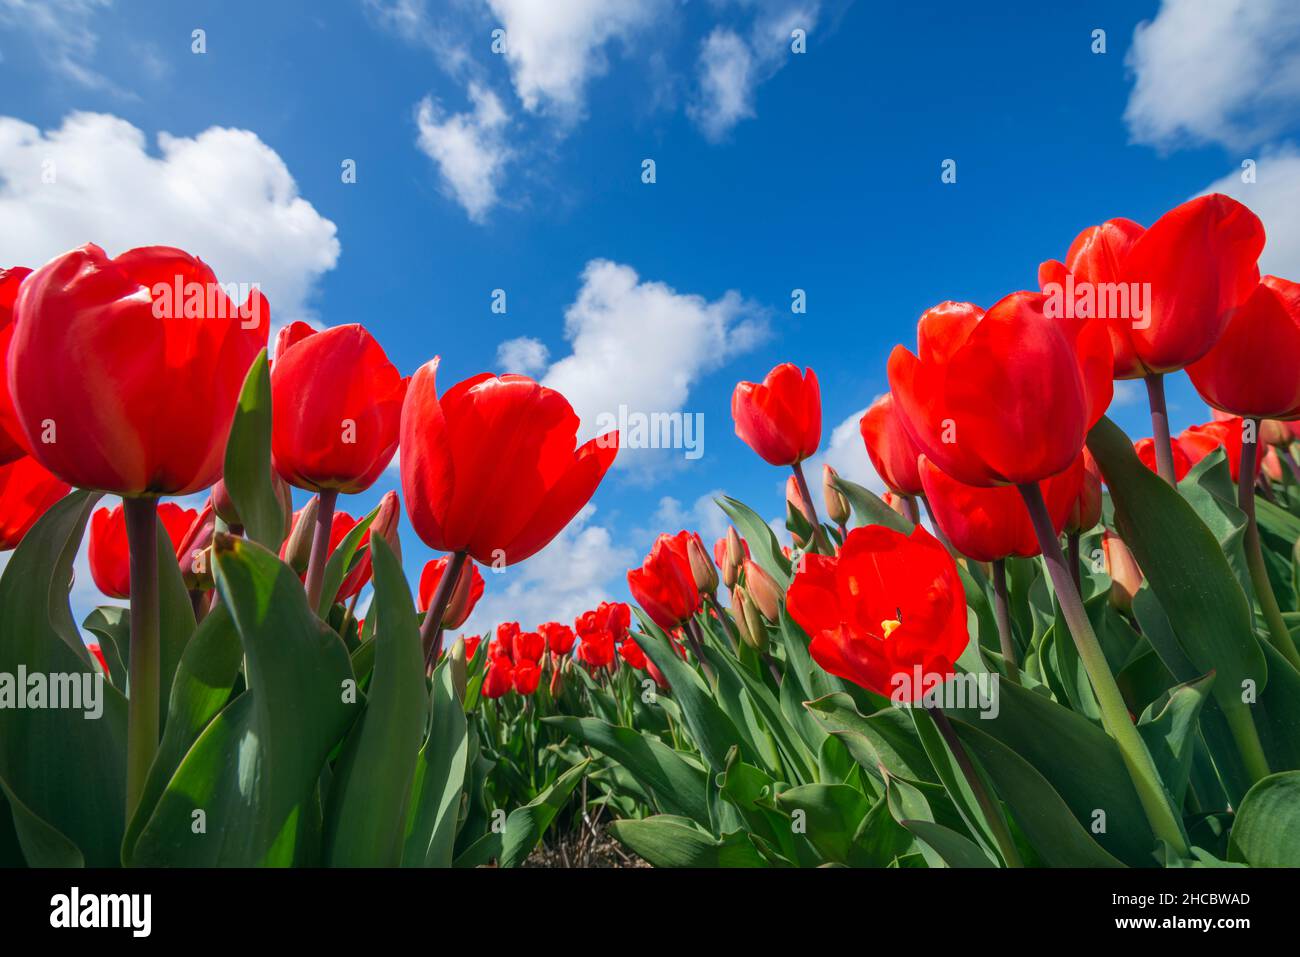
[[739, 600], [736, 553], [755, 628], [1273, 432], [459, 670], [763, 590], [386, 521], [557, 679], [706, 576], [194, 552], [1125, 576], [284, 493], [224, 505], [792, 524], [297, 547], [837, 506]]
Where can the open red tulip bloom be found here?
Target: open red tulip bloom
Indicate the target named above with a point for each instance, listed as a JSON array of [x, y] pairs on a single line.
[[108, 555], [461, 606], [27, 491], [338, 405], [11, 435], [490, 467], [1004, 397], [781, 417], [887, 604], [1252, 369], [1200, 260], [988, 524], [147, 380], [664, 586], [891, 449]]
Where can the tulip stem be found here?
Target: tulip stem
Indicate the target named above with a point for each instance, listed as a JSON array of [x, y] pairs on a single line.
[[1072, 545], [692, 631], [320, 546], [1285, 455], [1160, 428], [990, 808], [145, 669], [913, 513], [431, 628], [1115, 719], [819, 533], [934, 523], [1003, 615], [1278, 631]]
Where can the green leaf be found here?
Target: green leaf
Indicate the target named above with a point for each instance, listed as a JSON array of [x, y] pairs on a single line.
[[678, 788], [870, 508], [341, 561], [886, 737], [832, 815], [1267, 829], [439, 780], [111, 624], [1185, 567], [248, 459], [176, 612], [365, 818], [666, 841], [253, 772], [526, 825], [1169, 726], [957, 850], [763, 546], [64, 774]]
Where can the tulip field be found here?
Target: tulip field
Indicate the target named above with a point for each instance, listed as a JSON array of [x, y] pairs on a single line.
[[1047, 644]]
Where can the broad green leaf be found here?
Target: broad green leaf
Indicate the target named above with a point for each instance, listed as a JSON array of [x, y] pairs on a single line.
[[1169, 726], [365, 817], [341, 561], [832, 815], [253, 772], [763, 546], [870, 508], [957, 850], [111, 624], [176, 614], [1267, 829], [248, 459], [666, 841], [439, 780], [886, 737], [526, 825], [64, 773]]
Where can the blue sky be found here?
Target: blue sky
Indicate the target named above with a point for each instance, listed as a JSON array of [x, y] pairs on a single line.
[[521, 171]]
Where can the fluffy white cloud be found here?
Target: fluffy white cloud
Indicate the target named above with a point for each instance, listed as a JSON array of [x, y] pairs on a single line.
[[554, 49], [524, 355], [580, 568], [223, 195], [643, 345], [469, 148], [1226, 71], [62, 33], [703, 516], [1275, 198], [845, 452], [731, 67]]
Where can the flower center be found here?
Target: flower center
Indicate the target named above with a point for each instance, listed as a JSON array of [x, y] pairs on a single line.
[[888, 625]]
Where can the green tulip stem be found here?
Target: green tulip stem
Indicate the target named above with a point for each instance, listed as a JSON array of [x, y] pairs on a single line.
[[145, 669], [320, 546], [1278, 632], [990, 808], [913, 512], [1160, 428], [1003, 615], [431, 628], [1072, 551], [819, 533], [938, 529], [1114, 713]]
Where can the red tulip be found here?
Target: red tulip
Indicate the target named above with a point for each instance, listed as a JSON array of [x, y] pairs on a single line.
[[464, 597], [471, 646], [1005, 397], [987, 524], [98, 652], [528, 646], [500, 677], [892, 451], [120, 384], [26, 492], [1198, 441], [559, 638], [1146, 453], [781, 417], [11, 434], [191, 551], [490, 468], [631, 652], [1251, 371], [596, 649], [338, 404], [1200, 261], [527, 677], [504, 643], [885, 606], [110, 564], [663, 586]]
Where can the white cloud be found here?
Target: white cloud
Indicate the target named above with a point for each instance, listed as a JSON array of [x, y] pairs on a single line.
[[62, 35], [555, 49], [643, 345], [1275, 198], [847, 454], [730, 67], [524, 355], [223, 195], [1128, 392], [579, 569], [469, 148], [703, 516], [1225, 71]]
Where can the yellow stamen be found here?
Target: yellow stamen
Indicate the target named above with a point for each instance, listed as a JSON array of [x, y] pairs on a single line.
[[888, 625]]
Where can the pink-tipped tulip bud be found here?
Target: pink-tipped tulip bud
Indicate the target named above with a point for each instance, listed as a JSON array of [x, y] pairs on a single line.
[[1122, 567], [735, 557], [755, 627], [297, 549], [557, 680], [456, 661], [284, 493], [837, 506], [1273, 432], [386, 522], [794, 519], [739, 601], [706, 576], [763, 590], [194, 553], [224, 505]]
